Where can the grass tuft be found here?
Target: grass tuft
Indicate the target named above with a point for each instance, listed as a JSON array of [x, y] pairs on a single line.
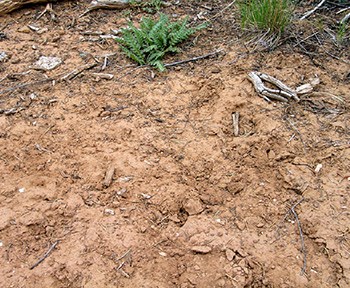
[[268, 15]]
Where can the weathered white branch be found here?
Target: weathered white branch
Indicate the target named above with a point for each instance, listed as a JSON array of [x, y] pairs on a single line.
[[7, 6], [346, 18], [283, 93], [307, 14]]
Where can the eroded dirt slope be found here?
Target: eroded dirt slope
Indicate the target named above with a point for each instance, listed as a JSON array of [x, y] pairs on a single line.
[[190, 205]]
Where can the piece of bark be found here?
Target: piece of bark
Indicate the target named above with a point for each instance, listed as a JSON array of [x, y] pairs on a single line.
[[235, 122], [109, 177], [7, 6]]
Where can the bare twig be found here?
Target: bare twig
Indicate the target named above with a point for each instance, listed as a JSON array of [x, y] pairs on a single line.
[[303, 250], [281, 94], [173, 63], [45, 255], [24, 85], [77, 71], [307, 14], [298, 132], [346, 18], [109, 177], [222, 10], [235, 122], [119, 268], [342, 10], [124, 255], [194, 59]]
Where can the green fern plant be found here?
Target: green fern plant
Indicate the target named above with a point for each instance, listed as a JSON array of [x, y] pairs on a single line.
[[149, 44]]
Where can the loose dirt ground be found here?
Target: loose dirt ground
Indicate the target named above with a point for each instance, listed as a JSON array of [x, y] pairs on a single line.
[[190, 205]]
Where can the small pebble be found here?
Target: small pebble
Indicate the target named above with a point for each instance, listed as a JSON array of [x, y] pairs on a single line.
[[318, 168], [24, 29], [3, 56], [201, 249], [109, 212], [230, 254]]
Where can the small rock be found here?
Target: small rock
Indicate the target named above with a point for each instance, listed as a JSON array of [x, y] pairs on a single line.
[[215, 70], [21, 190], [121, 192], [1, 244], [193, 206], [109, 212], [260, 225], [146, 196], [240, 225], [24, 29], [318, 168], [2, 35], [174, 218], [241, 252], [47, 63], [42, 30], [33, 28], [235, 187], [125, 178], [201, 249], [230, 254], [3, 56], [162, 254], [6, 216]]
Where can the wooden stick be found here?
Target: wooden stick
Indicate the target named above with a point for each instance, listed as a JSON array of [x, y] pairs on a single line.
[[109, 177], [235, 122], [25, 85], [263, 90], [303, 250], [77, 71], [193, 59], [346, 18], [307, 14], [45, 255]]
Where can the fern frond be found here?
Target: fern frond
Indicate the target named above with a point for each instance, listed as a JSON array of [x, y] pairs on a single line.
[[154, 39]]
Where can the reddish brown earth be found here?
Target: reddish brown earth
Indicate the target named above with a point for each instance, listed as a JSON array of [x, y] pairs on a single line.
[[190, 205]]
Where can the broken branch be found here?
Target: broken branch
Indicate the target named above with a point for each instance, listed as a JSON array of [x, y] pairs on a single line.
[[307, 14], [45, 255]]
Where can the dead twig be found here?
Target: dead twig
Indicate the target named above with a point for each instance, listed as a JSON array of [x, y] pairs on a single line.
[[303, 250], [346, 18], [77, 71], [307, 14], [281, 94], [24, 85], [222, 10], [45, 255], [109, 177], [119, 268], [124, 255], [298, 132], [194, 58], [235, 123], [173, 63], [106, 4]]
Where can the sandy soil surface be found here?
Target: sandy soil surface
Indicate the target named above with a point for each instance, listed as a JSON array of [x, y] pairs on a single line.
[[189, 204]]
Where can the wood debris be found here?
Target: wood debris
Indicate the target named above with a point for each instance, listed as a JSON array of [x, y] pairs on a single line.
[[281, 91], [109, 177]]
